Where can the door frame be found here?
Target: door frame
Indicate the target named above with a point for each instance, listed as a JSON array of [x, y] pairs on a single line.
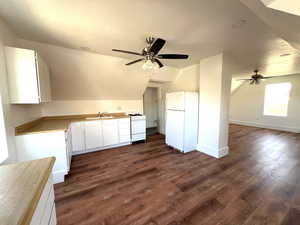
[[160, 105]]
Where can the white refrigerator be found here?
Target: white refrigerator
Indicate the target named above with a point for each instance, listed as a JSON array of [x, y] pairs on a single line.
[[182, 120]]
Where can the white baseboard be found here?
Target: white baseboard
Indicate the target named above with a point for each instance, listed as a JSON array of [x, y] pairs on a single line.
[[266, 126], [101, 148], [59, 176], [214, 152]]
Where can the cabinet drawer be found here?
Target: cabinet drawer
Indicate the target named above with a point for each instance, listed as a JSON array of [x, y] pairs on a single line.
[[42, 205], [138, 137]]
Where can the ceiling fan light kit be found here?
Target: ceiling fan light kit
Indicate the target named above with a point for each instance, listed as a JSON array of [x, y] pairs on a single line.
[[149, 65], [150, 54]]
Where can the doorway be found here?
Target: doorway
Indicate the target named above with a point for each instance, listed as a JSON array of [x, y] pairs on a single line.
[[151, 110]]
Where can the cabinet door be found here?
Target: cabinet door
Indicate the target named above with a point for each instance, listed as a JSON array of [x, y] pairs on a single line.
[[78, 142], [93, 134], [124, 130], [110, 132], [175, 101], [43, 79], [69, 147], [22, 76], [175, 129]]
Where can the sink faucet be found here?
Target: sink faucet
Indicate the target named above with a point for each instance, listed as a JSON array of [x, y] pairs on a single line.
[[101, 114]]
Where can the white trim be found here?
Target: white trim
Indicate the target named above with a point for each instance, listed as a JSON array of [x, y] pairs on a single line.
[[214, 152], [59, 176], [266, 126], [101, 148]]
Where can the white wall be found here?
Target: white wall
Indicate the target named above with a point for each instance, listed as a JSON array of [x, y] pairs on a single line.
[[56, 108], [81, 75], [187, 79], [247, 105], [214, 96], [14, 115], [84, 82]]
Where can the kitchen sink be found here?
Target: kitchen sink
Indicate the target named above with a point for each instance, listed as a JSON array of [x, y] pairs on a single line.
[[106, 117], [98, 117], [93, 118]]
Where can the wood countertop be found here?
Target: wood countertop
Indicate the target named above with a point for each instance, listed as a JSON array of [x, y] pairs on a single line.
[[21, 186], [59, 123]]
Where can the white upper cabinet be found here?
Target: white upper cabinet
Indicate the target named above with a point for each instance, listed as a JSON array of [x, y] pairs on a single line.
[[93, 134], [28, 76], [44, 80]]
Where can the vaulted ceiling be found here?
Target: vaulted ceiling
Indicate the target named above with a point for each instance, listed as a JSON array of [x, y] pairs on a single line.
[[200, 28]]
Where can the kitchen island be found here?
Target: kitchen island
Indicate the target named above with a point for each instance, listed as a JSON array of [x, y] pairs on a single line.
[[26, 193]]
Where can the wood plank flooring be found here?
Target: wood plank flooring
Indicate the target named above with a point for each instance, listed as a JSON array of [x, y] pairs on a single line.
[[151, 184]]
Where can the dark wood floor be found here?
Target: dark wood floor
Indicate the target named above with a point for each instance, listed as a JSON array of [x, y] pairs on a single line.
[[150, 184]]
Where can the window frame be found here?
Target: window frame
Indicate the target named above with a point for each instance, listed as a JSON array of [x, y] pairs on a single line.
[[267, 97]]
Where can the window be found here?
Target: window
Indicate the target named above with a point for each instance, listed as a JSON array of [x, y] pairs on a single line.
[[3, 141], [277, 99]]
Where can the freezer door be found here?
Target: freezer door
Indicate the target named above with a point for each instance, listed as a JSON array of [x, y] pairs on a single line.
[[175, 101], [175, 129]]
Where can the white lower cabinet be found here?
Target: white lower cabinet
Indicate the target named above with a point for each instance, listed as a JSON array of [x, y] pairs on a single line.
[[110, 132], [47, 144], [97, 135], [93, 134], [78, 137], [45, 211], [124, 130]]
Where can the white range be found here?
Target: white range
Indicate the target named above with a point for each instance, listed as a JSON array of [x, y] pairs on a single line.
[[138, 127]]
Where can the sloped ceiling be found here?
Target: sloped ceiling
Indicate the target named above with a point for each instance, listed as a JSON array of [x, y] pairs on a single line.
[[80, 75], [289, 6], [284, 25], [200, 28]]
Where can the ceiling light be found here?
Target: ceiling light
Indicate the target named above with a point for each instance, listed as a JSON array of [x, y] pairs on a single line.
[[149, 65]]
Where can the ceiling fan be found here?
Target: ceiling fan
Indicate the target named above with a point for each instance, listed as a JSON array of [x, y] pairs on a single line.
[[150, 54], [256, 78]]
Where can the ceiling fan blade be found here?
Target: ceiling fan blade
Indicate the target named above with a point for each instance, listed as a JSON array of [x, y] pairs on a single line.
[[252, 81], [157, 45], [135, 61], [173, 56], [127, 52], [279, 76], [243, 79], [159, 63]]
